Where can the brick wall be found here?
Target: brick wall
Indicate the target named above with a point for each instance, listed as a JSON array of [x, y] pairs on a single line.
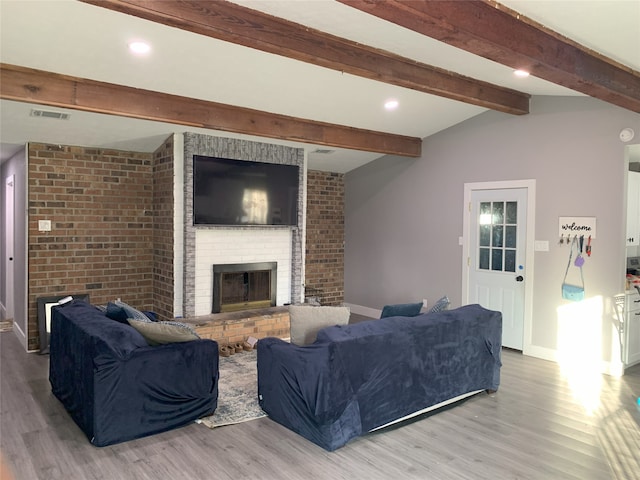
[[100, 203], [163, 213], [324, 265], [112, 228]]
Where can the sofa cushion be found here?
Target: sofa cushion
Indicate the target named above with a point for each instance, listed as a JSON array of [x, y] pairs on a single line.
[[305, 321], [401, 310], [159, 333]]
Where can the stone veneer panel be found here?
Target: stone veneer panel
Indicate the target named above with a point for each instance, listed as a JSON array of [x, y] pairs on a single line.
[[198, 144]]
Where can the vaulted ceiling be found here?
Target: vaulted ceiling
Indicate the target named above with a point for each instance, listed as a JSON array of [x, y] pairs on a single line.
[[310, 73]]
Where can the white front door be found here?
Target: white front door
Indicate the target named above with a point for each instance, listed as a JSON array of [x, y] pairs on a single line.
[[496, 257]]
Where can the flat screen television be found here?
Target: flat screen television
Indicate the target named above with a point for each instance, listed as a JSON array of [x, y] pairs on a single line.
[[240, 192]]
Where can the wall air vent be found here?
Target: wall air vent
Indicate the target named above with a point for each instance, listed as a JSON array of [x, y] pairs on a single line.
[[50, 114], [323, 151]]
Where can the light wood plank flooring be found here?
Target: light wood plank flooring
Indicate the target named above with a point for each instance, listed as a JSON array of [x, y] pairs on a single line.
[[534, 427]]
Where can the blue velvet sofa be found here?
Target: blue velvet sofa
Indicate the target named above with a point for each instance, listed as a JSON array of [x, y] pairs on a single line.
[[116, 387], [356, 378]]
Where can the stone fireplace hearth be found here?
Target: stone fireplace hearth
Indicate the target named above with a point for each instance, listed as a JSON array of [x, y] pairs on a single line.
[[232, 327]]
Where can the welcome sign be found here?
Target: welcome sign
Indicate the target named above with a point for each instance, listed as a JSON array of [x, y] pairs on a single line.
[[577, 226]]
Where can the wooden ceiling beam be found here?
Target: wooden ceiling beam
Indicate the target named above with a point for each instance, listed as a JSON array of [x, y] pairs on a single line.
[[237, 24], [495, 32], [45, 88]]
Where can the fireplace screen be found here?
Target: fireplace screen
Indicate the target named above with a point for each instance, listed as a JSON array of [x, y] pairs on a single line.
[[244, 286]]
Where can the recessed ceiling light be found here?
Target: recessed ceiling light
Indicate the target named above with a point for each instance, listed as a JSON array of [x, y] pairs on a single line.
[[521, 73], [139, 48], [391, 104]]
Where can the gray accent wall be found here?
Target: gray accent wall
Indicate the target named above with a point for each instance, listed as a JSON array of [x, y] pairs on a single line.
[[403, 217]]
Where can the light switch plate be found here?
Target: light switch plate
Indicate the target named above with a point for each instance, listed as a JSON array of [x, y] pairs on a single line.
[[44, 225], [541, 246]]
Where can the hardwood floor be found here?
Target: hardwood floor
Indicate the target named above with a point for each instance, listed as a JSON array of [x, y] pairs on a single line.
[[534, 427]]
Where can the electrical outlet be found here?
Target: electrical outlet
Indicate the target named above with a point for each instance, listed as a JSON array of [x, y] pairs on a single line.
[[44, 225]]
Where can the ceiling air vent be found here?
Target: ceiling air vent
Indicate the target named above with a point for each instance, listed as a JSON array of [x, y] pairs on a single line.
[[323, 151], [50, 114]]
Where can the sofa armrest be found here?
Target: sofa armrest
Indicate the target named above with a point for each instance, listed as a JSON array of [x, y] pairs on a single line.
[[155, 389], [308, 390]]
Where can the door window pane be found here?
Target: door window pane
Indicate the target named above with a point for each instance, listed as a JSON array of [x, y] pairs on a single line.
[[510, 236], [496, 259], [509, 260], [511, 215], [498, 213], [484, 217], [483, 259], [498, 230], [485, 235]]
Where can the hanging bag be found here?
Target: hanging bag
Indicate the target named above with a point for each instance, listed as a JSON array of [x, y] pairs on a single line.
[[575, 293]]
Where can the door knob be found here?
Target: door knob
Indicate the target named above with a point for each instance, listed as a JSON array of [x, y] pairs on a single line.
[[519, 278]]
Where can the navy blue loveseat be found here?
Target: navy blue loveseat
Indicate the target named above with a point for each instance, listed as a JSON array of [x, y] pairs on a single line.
[[356, 378], [116, 387]]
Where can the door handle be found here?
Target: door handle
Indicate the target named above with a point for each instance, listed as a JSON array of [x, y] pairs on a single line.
[[519, 278]]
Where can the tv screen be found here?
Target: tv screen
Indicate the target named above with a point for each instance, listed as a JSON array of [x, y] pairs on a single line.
[[239, 192]]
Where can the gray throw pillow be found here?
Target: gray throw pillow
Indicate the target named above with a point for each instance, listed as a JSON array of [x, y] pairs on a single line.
[[306, 321], [441, 304], [120, 311], [159, 333]]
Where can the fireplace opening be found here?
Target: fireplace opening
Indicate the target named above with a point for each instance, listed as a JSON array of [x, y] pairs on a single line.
[[244, 286]]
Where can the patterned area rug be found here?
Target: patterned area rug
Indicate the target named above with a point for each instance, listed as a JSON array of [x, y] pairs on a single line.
[[237, 391]]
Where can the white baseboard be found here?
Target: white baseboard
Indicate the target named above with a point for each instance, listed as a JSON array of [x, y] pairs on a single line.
[[614, 369], [541, 353], [22, 336]]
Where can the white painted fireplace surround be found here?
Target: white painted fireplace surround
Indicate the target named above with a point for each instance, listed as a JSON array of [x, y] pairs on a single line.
[[198, 248], [223, 246]]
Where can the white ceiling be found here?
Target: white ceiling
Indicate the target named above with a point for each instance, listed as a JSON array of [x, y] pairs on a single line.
[[72, 38]]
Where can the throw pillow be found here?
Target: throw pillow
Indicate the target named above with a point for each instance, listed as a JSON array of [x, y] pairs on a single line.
[[159, 333], [116, 313], [441, 304], [401, 310], [306, 321], [121, 312]]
